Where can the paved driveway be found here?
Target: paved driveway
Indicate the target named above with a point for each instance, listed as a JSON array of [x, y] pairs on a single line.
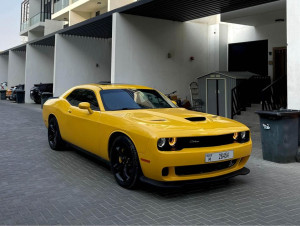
[[40, 186]]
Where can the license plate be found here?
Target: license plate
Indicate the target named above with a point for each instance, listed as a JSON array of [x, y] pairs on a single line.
[[219, 156]]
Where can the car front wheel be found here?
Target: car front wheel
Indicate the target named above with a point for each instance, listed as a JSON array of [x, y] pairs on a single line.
[[54, 138], [125, 163]]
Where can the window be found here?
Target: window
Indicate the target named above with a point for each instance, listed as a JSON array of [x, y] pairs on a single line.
[[83, 95], [128, 99]]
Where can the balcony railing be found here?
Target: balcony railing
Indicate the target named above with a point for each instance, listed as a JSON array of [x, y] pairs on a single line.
[[24, 25], [61, 5], [40, 17]]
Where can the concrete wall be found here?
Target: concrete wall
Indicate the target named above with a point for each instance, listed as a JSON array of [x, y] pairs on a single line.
[[77, 17], [80, 60], [32, 35], [114, 4], [217, 47], [3, 68], [293, 53], [140, 53], [52, 26], [213, 47], [16, 68], [39, 67], [275, 33], [102, 10], [223, 47]]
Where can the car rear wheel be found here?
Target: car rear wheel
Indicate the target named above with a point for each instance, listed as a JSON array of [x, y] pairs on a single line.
[[54, 138], [125, 162]]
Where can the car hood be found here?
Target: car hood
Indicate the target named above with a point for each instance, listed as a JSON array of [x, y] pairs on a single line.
[[179, 121]]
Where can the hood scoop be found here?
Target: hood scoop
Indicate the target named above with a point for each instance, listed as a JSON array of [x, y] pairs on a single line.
[[196, 119]]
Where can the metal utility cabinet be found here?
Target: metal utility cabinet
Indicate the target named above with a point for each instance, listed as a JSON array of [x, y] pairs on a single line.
[[215, 90]]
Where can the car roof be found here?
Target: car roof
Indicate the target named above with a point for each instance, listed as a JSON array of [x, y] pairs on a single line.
[[106, 86]]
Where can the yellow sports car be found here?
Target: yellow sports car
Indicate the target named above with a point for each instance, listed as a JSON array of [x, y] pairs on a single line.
[[145, 136]]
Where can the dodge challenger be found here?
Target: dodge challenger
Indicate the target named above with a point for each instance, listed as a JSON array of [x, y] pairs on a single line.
[[145, 137]]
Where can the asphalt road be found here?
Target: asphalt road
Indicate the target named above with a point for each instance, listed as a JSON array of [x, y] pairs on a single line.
[[41, 186]]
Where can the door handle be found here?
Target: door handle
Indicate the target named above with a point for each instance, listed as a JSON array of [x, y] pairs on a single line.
[[70, 111]]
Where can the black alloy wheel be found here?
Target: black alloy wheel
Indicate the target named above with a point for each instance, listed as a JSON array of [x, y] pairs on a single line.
[[54, 138], [125, 162]]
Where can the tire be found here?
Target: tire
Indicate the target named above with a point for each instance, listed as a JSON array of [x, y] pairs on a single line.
[[125, 162], [37, 101], [55, 141]]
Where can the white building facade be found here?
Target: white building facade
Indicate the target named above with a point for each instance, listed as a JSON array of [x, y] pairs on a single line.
[[165, 46]]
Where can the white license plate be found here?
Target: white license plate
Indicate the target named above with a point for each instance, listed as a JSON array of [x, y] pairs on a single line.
[[219, 156]]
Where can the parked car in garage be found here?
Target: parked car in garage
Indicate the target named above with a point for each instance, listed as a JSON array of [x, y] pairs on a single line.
[[145, 137], [38, 89], [13, 95]]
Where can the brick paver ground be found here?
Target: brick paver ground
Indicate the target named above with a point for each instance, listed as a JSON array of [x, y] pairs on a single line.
[[40, 186]]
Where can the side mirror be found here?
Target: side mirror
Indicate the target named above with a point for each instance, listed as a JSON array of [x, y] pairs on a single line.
[[86, 106]]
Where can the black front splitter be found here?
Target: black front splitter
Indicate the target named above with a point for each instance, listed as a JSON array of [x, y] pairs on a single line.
[[178, 184]]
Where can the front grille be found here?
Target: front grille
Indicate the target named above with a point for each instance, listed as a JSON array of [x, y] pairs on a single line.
[[205, 141], [205, 168]]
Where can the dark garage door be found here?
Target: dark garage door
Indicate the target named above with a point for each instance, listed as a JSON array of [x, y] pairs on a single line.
[[249, 56]]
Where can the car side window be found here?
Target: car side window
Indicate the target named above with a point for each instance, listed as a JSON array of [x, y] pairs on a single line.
[[83, 95]]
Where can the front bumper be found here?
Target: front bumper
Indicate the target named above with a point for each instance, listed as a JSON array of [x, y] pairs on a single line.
[[178, 184], [157, 161]]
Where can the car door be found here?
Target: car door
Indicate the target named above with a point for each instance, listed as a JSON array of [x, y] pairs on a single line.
[[82, 127]]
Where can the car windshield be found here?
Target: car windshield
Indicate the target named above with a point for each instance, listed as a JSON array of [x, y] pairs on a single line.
[[129, 99]]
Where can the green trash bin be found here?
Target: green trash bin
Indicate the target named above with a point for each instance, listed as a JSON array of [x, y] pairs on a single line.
[[20, 96], [279, 135], [3, 94], [44, 97]]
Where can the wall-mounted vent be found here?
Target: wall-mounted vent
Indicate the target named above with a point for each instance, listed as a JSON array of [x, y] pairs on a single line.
[[196, 119]]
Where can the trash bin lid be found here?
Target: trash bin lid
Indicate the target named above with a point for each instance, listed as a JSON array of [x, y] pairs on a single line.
[[47, 94], [279, 113]]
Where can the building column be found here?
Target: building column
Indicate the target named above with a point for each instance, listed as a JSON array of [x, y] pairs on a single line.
[[218, 47], [80, 60], [162, 54], [39, 67], [16, 68], [293, 53], [3, 68]]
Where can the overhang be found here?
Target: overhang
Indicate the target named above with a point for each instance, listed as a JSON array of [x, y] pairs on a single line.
[[185, 10], [48, 40], [4, 53], [19, 48], [175, 10]]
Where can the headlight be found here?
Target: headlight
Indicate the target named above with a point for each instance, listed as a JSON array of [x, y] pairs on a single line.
[[235, 136], [172, 141], [167, 144], [161, 143], [242, 137]]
